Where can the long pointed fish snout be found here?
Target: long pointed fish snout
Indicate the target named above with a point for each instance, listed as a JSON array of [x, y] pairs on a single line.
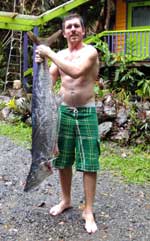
[[47, 41], [37, 175]]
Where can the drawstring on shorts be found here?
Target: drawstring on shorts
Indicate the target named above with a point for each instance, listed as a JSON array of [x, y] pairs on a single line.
[[75, 112]]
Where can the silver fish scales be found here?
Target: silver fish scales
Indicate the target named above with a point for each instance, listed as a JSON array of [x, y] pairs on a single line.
[[44, 120]]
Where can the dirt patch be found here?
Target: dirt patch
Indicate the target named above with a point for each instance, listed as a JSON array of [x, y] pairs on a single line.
[[122, 211]]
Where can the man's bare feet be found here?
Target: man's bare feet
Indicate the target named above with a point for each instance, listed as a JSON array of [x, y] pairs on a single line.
[[90, 224], [58, 209]]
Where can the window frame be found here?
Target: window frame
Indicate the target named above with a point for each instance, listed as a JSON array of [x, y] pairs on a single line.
[[130, 7]]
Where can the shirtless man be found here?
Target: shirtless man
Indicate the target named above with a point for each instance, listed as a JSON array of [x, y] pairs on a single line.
[[78, 67]]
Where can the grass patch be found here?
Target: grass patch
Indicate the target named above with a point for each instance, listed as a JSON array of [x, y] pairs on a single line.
[[133, 163], [20, 133]]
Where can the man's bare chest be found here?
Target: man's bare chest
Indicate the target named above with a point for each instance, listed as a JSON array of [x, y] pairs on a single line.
[[73, 57]]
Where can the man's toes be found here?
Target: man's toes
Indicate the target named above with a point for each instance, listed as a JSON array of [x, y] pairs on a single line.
[[58, 209], [55, 210], [91, 227], [88, 229], [94, 228]]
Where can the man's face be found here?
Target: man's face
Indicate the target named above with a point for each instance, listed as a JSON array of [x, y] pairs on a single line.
[[73, 30]]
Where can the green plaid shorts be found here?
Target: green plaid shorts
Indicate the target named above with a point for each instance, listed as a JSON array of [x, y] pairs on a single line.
[[78, 140]]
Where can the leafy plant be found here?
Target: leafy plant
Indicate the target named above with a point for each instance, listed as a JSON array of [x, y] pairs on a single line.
[[139, 125], [130, 49], [12, 104], [100, 93], [126, 76], [122, 96], [2, 105], [105, 55], [144, 90]]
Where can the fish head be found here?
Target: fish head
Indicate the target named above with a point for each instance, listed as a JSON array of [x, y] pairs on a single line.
[[37, 174]]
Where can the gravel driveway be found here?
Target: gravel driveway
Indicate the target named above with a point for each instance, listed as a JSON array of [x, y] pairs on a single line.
[[122, 211]]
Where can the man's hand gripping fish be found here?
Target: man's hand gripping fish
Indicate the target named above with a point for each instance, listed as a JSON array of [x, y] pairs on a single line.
[[44, 120]]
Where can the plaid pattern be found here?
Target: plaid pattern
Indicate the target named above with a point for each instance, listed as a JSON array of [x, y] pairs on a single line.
[[78, 139]]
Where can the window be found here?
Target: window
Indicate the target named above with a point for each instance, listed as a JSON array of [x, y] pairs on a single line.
[[141, 16], [138, 14]]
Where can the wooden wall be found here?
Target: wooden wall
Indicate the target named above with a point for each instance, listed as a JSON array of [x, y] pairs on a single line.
[[121, 11]]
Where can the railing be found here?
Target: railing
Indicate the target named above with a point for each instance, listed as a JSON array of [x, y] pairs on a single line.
[[133, 42]]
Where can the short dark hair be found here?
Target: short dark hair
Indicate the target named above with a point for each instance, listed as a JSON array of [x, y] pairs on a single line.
[[71, 16]]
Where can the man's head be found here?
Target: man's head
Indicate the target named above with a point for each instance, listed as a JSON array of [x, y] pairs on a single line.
[[72, 16], [73, 27]]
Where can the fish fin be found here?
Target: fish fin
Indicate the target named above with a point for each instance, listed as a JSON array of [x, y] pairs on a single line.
[[33, 37], [47, 41], [53, 37]]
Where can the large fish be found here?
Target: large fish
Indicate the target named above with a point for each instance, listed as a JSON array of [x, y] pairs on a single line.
[[44, 120]]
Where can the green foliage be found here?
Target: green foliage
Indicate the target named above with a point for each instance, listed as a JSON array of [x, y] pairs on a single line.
[[99, 93], [133, 163], [20, 132], [135, 120], [130, 50], [139, 125], [20, 109], [144, 90], [57, 86], [126, 75], [122, 96], [105, 55], [2, 105], [126, 81], [12, 104]]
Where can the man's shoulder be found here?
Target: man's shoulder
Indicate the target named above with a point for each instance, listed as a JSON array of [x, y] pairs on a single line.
[[62, 52], [90, 47], [91, 50]]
